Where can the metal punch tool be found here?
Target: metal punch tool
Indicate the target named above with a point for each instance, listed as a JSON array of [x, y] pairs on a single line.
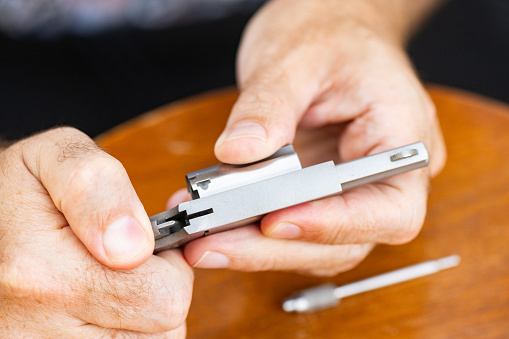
[[329, 295], [230, 196]]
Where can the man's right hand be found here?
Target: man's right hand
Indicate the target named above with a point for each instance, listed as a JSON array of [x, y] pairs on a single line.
[[76, 247]]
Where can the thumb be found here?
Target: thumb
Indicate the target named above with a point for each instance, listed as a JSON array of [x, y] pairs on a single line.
[[95, 195], [263, 119]]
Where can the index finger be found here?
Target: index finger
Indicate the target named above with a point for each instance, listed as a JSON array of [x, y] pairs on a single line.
[[93, 191], [391, 211]]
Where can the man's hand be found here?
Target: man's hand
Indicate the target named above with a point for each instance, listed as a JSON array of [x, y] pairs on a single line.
[[331, 65], [76, 247]]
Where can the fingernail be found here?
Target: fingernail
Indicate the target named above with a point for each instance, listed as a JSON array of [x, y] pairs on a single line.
[[246, 130], [212, 259], [285, 231], [124, 239]]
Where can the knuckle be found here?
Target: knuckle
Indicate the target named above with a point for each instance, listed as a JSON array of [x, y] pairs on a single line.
[[76, 146], [363, 227], [358, 223], [340, 259], [407, 234], [261, 100], [268, 263], [172, 301], [276, 260], [60, 134], [24, 279], [329, 228], [148, 301], [266, 78], [65, 130], [349, 258], [95, 171], [410, 222], [335, 235], [120, 295], [70, 143], [102, 167]]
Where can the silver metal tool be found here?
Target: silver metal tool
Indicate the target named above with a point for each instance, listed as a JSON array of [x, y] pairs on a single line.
[[329, 295], [229, 196]]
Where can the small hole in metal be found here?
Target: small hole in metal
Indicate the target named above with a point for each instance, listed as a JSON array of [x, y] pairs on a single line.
[[407, 153]]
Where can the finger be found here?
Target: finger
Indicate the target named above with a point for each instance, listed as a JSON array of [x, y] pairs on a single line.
[[391, 211], [59, 282], [152, 298], [85, 330], [410, 119], [247, 249], [265, 116], [178, 333], [92, 331], [94, 193]]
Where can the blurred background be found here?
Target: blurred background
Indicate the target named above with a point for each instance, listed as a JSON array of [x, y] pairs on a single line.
[[95, 69]]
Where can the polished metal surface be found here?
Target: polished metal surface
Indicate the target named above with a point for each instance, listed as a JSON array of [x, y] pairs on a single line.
[[382, 165], [227, 196], [224, 177]]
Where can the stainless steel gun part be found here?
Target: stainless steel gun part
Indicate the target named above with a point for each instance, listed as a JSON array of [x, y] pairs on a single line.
[[230, 196]]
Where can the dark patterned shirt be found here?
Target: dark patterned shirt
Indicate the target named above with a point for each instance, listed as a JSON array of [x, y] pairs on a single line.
[[46, 18]]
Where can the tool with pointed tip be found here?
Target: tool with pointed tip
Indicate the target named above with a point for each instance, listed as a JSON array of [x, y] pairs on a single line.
[[230, 196], [329, 295]]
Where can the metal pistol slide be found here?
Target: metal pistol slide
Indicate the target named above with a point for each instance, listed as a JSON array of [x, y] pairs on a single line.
[[230, 196]]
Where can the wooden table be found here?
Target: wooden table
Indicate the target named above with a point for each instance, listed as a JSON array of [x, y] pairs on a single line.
[[468, 215]]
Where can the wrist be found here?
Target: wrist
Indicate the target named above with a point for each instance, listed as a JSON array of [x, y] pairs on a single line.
[[394, 20], [4, 144], [331, 24], [380, 19]]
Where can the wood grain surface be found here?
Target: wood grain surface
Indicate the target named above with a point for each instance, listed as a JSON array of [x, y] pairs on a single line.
[[468, 214]]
